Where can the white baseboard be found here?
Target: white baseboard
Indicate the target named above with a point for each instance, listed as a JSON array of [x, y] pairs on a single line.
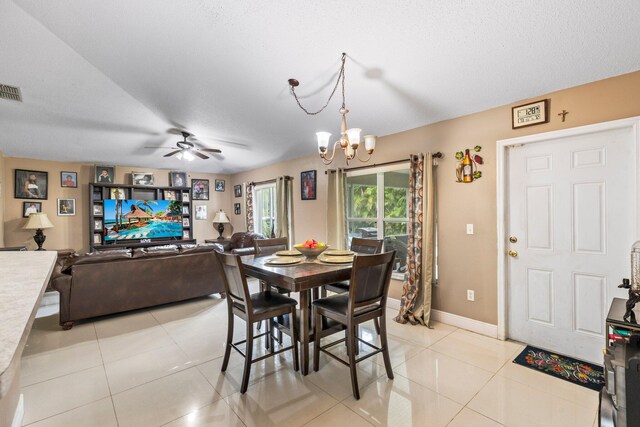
[[19, 414], [465, 323]]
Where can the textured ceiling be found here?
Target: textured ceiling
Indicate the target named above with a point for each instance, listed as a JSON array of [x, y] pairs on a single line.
[[101, 80]]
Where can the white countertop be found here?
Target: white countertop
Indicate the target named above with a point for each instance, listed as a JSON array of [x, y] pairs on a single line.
[[23, 278]]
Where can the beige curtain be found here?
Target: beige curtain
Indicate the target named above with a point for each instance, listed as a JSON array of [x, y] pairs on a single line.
[[415, 305], [284, 202], [336, 210], [249, 207]]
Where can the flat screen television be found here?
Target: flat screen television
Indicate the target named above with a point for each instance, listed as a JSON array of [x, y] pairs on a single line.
[[126, 220]]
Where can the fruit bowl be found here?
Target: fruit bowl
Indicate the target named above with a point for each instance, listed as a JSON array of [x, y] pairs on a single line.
[[311, 252]]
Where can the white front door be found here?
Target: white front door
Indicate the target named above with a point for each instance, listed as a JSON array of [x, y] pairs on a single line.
[[571, 207]]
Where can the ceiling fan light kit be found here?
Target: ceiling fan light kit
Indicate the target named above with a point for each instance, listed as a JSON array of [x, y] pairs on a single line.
[[349, 138], [187, 150]]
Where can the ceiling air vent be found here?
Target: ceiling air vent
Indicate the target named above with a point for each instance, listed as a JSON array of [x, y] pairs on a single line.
[[10, 92]]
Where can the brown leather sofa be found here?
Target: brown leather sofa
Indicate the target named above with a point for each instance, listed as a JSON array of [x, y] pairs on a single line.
[[241, 243], [120, 280]]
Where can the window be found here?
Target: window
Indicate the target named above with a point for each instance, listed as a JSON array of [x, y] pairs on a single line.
[[378, 205], [264, 209]]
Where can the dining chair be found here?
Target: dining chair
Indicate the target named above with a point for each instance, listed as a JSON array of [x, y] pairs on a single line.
[[253, 308], [360, 246], [366, 300]]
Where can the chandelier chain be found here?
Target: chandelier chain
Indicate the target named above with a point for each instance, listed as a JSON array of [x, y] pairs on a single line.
[[340, 77]]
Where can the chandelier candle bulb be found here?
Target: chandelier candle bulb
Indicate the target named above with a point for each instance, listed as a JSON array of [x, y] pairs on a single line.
[[370, 143], [353, 135], [323, 141]]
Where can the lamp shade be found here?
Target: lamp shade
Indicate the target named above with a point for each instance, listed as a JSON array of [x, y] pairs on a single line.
[[38, 221], [369, 142], [221, 218], [323, 140], [354, 136]]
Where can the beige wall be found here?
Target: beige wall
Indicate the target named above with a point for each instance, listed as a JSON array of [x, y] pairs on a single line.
[[73, 231], [2, 192], [466, 262]]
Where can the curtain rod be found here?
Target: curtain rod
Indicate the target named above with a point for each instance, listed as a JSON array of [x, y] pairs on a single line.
[[437, 155], [268, 181]]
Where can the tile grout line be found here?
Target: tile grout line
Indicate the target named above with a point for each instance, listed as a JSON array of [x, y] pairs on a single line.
[[113, 405]]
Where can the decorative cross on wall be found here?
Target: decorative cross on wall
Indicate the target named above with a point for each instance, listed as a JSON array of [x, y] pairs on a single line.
[[563, 114]]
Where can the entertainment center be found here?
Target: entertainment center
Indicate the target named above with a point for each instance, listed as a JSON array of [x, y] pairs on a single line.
[[134, 216]]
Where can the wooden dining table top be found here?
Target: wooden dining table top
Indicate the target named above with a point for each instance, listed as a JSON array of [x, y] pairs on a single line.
[[306, 275]]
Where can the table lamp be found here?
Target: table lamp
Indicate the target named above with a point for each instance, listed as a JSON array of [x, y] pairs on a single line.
[[38, 221], [221, 219]]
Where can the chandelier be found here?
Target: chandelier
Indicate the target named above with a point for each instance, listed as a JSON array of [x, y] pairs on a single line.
[[349, 138]]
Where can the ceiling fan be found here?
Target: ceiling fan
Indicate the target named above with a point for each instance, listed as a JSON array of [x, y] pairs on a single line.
[[187, 149]]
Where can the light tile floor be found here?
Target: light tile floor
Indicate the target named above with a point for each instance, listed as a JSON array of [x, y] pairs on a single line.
[[161, 367]]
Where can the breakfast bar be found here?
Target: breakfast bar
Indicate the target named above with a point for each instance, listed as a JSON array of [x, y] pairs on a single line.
[[23, 279]]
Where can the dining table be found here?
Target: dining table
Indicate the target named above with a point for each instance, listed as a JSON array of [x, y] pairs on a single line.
[[304, 277]]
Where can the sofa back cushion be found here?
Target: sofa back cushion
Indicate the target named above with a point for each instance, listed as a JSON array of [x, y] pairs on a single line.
[[95, 257]]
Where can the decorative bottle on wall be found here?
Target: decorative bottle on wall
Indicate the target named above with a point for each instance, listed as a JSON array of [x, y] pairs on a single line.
[[467, 167]]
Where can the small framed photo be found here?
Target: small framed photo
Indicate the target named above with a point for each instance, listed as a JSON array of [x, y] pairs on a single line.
[[97, 209], [31, 184], [31, 207], [185, 210], [97, 225], [69, 179], [185, 234], [97, 239], [237, 209], [237, 190], [105, 174], [220, 185], [185, 222], [142, 178], [185, 197], [177, 179], [308, 185], [201, 212], [66, 207], [534, 113], [117, 193], [200, 189], [169, 194]]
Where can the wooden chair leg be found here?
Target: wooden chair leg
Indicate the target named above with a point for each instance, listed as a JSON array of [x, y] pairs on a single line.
[[294, 339], [316, 341], [270, 339], [227, 349], [385, 346], [248, 358], [376, 324], [351, 339]]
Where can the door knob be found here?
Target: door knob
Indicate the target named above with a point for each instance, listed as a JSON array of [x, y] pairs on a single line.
[[513, 253], [513, 239]]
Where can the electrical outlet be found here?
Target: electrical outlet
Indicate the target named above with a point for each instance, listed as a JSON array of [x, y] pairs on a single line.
[[471, 295], [469, 228]]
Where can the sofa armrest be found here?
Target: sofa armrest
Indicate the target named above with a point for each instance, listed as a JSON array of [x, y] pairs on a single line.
[[61, 282], [244, 251], [226, 246]]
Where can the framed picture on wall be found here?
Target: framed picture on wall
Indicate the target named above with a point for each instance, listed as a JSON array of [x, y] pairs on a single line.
[[200, 189], [97, 239], [308, 185], [97, 209], [185, 210], [220, 185], [236, 208], [31, 184], [201, 212], [97, 225], [177, 179], [69, 179], [169, 195], [31, 207], [185, 234], [237, 190], [66, 207], [185, 222], [142, 178], [185, 197], [105, 174], [117, 193]]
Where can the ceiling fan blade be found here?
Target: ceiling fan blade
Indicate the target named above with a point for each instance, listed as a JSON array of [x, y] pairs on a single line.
[[172, 153], [172, 148], [210, 150], [202, 156]]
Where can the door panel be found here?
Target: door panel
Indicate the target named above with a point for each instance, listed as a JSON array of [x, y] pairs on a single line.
[[570, 206]]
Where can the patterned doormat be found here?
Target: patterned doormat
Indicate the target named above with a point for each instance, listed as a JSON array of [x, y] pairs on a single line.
[[565, 367]]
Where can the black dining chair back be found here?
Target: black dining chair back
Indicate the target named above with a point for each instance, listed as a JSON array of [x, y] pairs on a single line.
[[366, 246], [235, 281], [266, 247], [366, 300]]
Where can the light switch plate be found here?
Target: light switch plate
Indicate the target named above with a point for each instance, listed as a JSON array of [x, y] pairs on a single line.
[[469, 228]]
